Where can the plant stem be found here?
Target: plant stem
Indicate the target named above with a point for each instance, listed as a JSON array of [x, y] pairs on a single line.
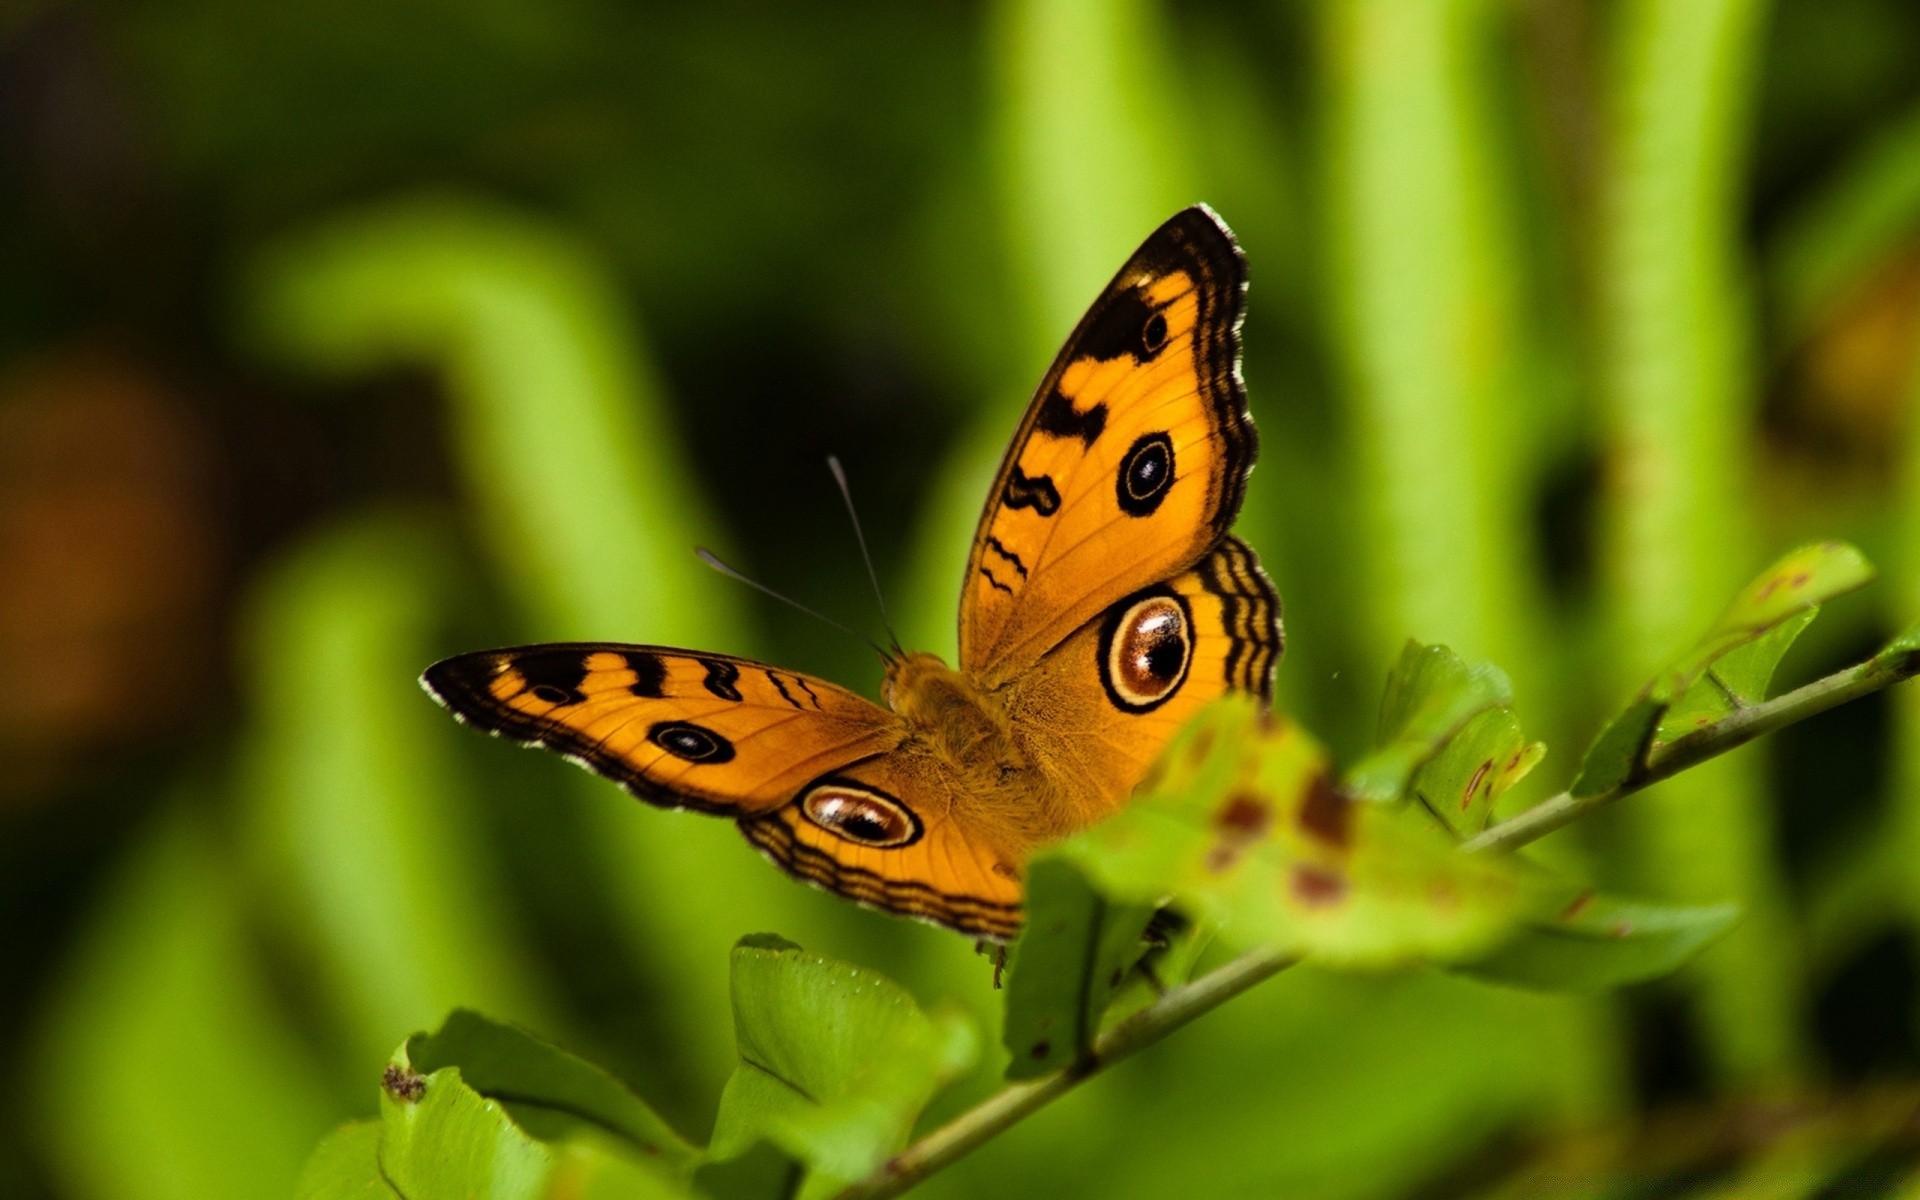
[[1014, 1102], [1008, 1105], [1735, 729]]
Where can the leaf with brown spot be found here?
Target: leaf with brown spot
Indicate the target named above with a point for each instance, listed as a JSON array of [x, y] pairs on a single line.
[[1343, 882], [1460, 785], [1432, 694], [1729, 667]]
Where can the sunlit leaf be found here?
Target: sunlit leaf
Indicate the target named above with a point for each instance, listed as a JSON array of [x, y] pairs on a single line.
[[1431, 694], [1729, 667], [346, 1166], [1074, 952], [1243, 827], [1599, 942], [548, 1091], [1737, 679], [442, 1140], [483, 1109], [836, 1063], [1489, 754]]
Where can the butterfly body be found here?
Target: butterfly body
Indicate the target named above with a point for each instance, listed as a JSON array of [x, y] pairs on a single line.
[[1105, 602]]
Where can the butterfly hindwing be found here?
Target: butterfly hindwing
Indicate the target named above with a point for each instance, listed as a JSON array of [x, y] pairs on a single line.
[[679, 729], [935, 864], [1106, 701], [1132, 458]]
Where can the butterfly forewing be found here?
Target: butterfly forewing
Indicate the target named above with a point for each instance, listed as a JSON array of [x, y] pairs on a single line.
[[1132, 458], [675, 728]]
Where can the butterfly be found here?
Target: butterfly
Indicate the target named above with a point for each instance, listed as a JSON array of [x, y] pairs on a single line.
[[1104, 603]]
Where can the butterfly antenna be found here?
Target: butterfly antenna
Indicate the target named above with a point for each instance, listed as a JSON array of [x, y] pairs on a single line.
[[846, 495], [712, 560]]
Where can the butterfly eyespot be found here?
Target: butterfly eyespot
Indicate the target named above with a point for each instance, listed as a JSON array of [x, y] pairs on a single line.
[[1145, 474], [860, 814], [546, 693], [1145, 650], [1153, 336], [693, 743]]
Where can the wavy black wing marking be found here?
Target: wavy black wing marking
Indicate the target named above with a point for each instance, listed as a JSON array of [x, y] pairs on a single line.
[[773, 836], [1252, 615]]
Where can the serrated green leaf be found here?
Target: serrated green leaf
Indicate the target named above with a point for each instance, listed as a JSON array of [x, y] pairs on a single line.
[[1244, 828], [1431, 694], [1731, 664], [1074, 952], [442, 1140], [549, 1092], [346, 1166], [1601, 942], [836, 1063], [1490, 754]]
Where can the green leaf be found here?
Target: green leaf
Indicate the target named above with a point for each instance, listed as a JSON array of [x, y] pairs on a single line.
[[1074, 952], [548, 1091], [836, 1063], [346, 1166], [1487, 756], [1729, 667], [1906, 644], [1802, 579], [1242, 826], [1432, 693], [1738, 679], [1602, 942], [1620, 749], [482, 1109], [442, 1140]]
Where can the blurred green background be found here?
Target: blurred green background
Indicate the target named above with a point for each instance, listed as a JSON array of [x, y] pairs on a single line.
[[337, 338]]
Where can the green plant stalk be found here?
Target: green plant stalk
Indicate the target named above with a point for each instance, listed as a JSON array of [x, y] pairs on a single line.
[[1429, 326], [1001, 1110], [1734, 730], [1678, 403], [1178, 1006]]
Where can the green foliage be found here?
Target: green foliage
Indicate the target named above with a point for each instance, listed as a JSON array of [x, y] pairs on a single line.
[[1599, 942], [544, 1088], [836, 1063], [483, 1109], [1239, 827], [1073, 955], [1728, 668], [1447, 736], [1242, 827]]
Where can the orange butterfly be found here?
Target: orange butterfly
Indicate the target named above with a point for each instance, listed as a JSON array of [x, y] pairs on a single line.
[[1105, 602]]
